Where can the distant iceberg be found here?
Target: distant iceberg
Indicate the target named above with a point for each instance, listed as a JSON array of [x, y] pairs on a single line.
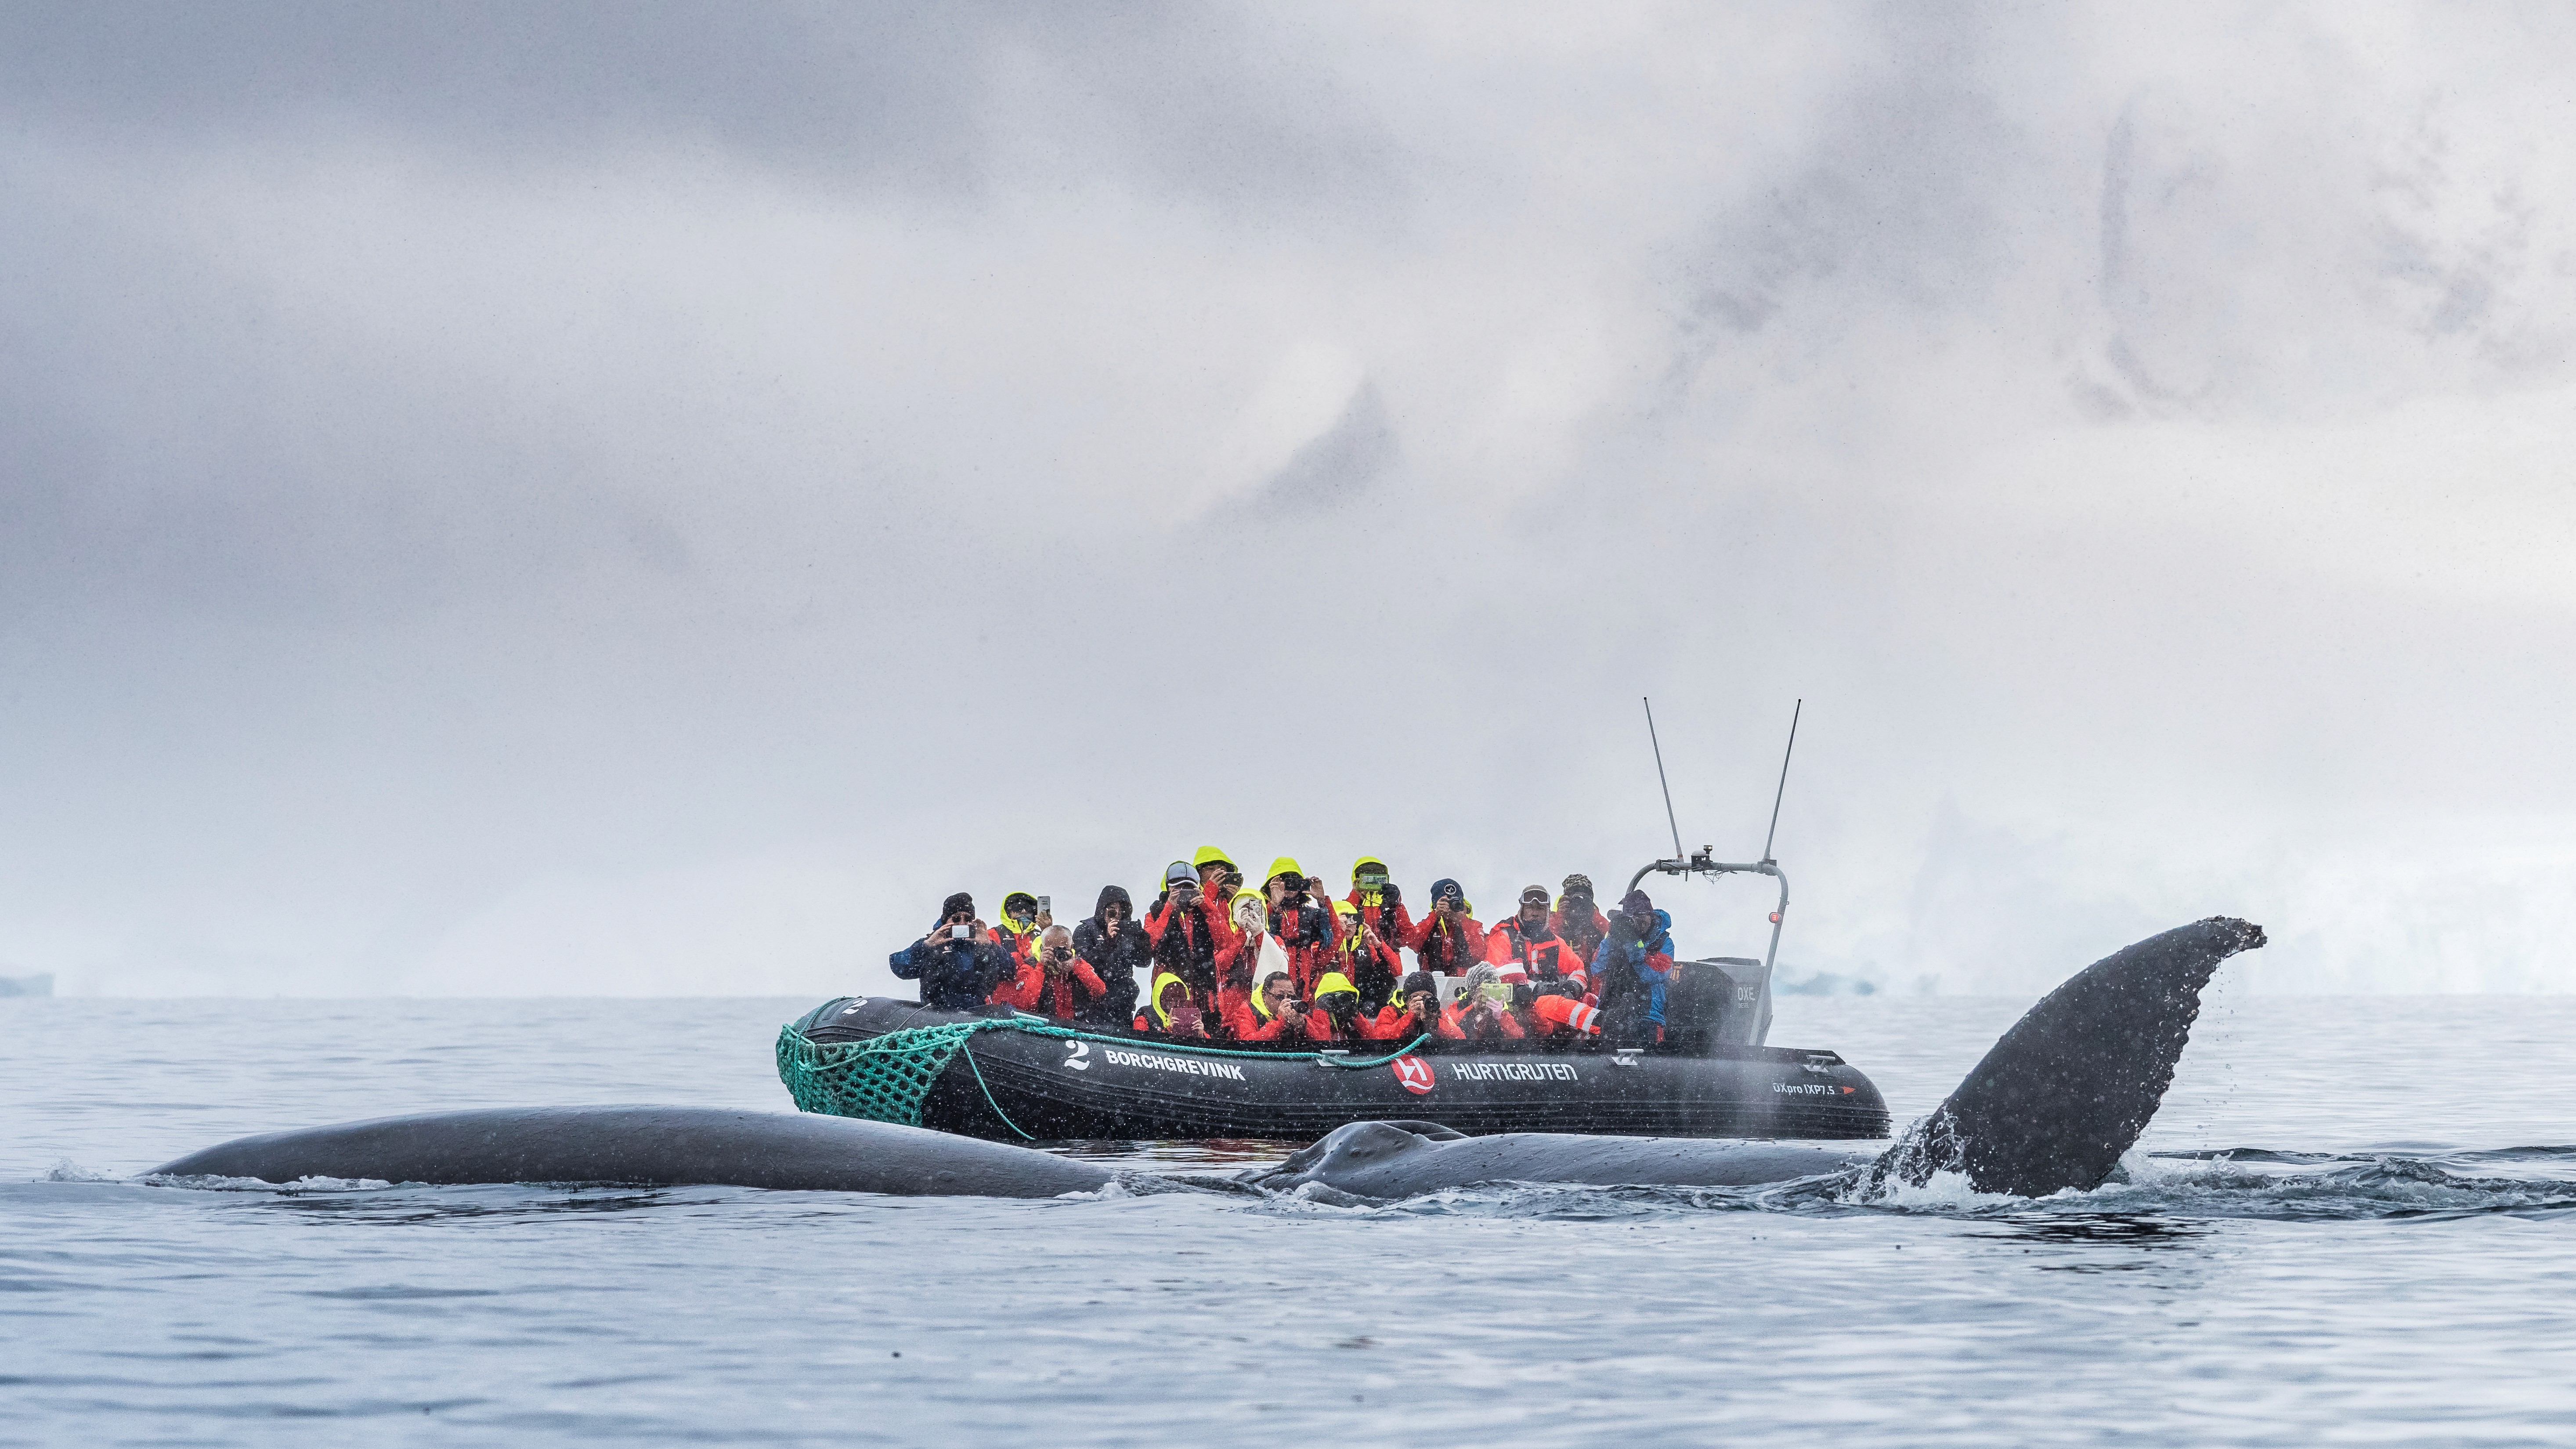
[[37, 985], [1825, 983]]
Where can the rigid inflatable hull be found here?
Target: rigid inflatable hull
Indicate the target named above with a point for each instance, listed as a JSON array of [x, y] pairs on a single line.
[[1013, 1086]]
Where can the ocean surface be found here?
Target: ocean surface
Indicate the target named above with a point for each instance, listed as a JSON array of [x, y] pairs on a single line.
[[2354, 1222]]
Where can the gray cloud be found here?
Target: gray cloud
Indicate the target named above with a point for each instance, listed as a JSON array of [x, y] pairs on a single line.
[[503, 498]]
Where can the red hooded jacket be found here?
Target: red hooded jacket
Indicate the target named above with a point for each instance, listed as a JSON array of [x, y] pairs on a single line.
[[1437, 948], [1538, 956]]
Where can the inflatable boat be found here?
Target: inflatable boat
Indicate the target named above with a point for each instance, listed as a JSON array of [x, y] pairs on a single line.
[[1013, 1077]]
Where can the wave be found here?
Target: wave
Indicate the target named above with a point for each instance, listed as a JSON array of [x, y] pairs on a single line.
[[2150, 1195]]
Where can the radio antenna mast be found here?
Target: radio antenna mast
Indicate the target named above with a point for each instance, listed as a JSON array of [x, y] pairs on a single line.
[[1667, 784], [1794, 712]]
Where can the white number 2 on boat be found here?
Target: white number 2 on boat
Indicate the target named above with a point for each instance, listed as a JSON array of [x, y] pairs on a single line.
[[1077, 1055]]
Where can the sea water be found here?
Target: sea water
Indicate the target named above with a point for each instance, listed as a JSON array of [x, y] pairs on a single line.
[[2354, 1222]]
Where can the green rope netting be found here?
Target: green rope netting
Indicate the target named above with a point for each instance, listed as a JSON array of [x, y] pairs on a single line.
[[883, 1079], [886, 1078]]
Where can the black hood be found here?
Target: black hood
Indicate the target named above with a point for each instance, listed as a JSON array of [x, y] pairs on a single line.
[[1100, 912]]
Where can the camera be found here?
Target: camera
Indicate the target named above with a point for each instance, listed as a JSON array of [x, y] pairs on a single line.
[[1232, 880], [961, 933], [1292, 880]]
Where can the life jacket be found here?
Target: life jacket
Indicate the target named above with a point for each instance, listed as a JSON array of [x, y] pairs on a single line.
[[1373, 969], [1540, 955], [1438, 947], [1249, 1017], [1186, 944], [1312, 941], [1020, 941]]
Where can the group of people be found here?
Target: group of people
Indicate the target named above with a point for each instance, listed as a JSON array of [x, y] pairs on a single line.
[[1284, 961]]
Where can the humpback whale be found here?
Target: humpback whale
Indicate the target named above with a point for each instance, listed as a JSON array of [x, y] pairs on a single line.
[[2052, 1105]]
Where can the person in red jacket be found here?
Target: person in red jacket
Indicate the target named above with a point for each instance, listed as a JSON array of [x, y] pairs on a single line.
[[1526, 948], [1056, 983], [1017, 931], [1171, 1014], [1335, 1015], [1269, 1014], [1381, 905], [1367, 959], [1420, 1015], [1577, 919], [1305, 928], [1189, 936], [1447, 938], [1483, 1012]]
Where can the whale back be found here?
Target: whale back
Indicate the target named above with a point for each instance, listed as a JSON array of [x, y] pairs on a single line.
[[652, 1145], [2068, 1089]]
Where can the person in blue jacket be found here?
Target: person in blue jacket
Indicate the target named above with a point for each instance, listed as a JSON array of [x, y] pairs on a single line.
[[956, 962], [1630, 971]]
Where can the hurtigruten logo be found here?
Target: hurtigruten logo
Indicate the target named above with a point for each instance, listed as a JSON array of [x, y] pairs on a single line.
[[1512, 1072]]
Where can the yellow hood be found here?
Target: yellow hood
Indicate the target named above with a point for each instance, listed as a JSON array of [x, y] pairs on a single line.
[[1282, 866], [1155, 1002], [1330, 982], [1209, 853], [1364, 862]]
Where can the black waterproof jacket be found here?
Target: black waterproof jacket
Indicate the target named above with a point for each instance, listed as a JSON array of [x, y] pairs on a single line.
[[954, 975], [1115, 958]]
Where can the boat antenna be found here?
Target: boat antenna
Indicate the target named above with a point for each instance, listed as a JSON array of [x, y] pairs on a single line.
[[1667, 784], [1794, 712]]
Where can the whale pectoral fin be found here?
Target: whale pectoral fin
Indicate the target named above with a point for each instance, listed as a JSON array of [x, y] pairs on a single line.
[[2059, 1097]]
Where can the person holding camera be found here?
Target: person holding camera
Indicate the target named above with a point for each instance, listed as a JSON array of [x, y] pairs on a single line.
[[1483, 1011], [1171, 1013], [1367, 959], [1381, 904], [1419, 1014], [1111, 941], [1447, 939], [1054, 981], [1306, 930], [1189, 936], [1577, 919], [958, 965], [1333, 1011], [1633, 966], [1023, 917], [1272, 1013], [1219, 878]]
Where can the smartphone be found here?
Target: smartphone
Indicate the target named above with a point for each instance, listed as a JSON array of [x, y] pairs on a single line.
[[961, 933], [1046, 905]]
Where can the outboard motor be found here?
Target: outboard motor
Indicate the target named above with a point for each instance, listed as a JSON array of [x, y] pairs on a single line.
[[1716, 1002]]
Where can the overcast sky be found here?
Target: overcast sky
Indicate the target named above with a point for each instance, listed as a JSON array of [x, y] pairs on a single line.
[[520, 498]]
